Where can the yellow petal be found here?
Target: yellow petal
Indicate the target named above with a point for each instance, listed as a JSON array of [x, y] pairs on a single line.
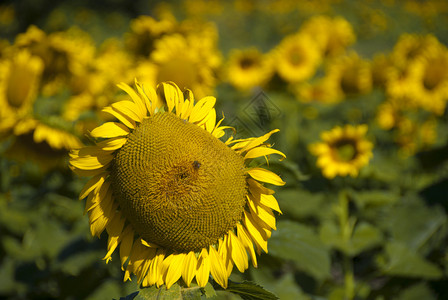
[[257, 234], [155, 269], [112, 143], [239, 254], [259, 140], [110, 130], [202, 109], [189, 269], [203, 268], [172, 95], [93, 183], [121, 117], [140, 108], [270, 201], [247, 243], [150, 97], [129, 109], [126, 244], [261, 212], [217, 267], [175, 269], [262, 151], [211, 121], [264, 175]]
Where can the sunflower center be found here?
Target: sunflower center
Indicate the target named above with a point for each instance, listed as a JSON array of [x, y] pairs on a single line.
[[246, 63], [179, 186], [345, 150]]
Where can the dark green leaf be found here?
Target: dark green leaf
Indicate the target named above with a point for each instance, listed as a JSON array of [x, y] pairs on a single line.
[[250, 291], [209, 291], [403, 261], [364, 237], [301, 244]]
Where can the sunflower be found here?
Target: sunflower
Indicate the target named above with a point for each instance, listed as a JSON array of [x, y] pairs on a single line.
[[351, 73], [431, 80], [296, 58], [144, 31], [410, 47], [19, 81], [332, 35], [177, 200], [188, 62], [248, 68], [63, 53], [343, 152], [44, 143]]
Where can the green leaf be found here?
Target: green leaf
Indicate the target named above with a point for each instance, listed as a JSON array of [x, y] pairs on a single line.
[[209, 291], [403, 261], [365, 236], [154, 293], [174, 292], [284, 287], [415, 224], [249, 291], [300, 244], [417, 292], [301, 204], [130, 296]]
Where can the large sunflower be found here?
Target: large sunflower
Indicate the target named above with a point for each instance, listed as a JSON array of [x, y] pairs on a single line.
[[177, 200], [343, 152]]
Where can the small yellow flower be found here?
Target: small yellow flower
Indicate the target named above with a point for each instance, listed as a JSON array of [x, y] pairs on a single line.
[[177, 201], [343, 151]]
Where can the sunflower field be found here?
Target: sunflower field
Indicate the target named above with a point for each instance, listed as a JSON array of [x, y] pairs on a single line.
[[241, 149]]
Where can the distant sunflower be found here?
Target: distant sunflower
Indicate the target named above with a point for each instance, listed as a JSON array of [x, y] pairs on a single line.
[[297, 58], [332, 35], [19, 82], [187, 61], [248, 68], [410, 47], [431, 80], [45, 144], [178, 201], [63, 53], [343, 152], [351, 73]]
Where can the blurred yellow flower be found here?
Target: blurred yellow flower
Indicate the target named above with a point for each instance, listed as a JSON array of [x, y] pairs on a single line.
[[351, 73], [343, 151], [332, 35], [20, 76], [189, 65], [296, 58], [44, 144], [248, 68], [64, 54], [144, 31], [431, 80]]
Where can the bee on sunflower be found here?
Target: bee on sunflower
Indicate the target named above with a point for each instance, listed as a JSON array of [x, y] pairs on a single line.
[[177, 201]]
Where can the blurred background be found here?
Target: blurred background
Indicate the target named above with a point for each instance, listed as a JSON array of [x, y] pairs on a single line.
[[358, 89]]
